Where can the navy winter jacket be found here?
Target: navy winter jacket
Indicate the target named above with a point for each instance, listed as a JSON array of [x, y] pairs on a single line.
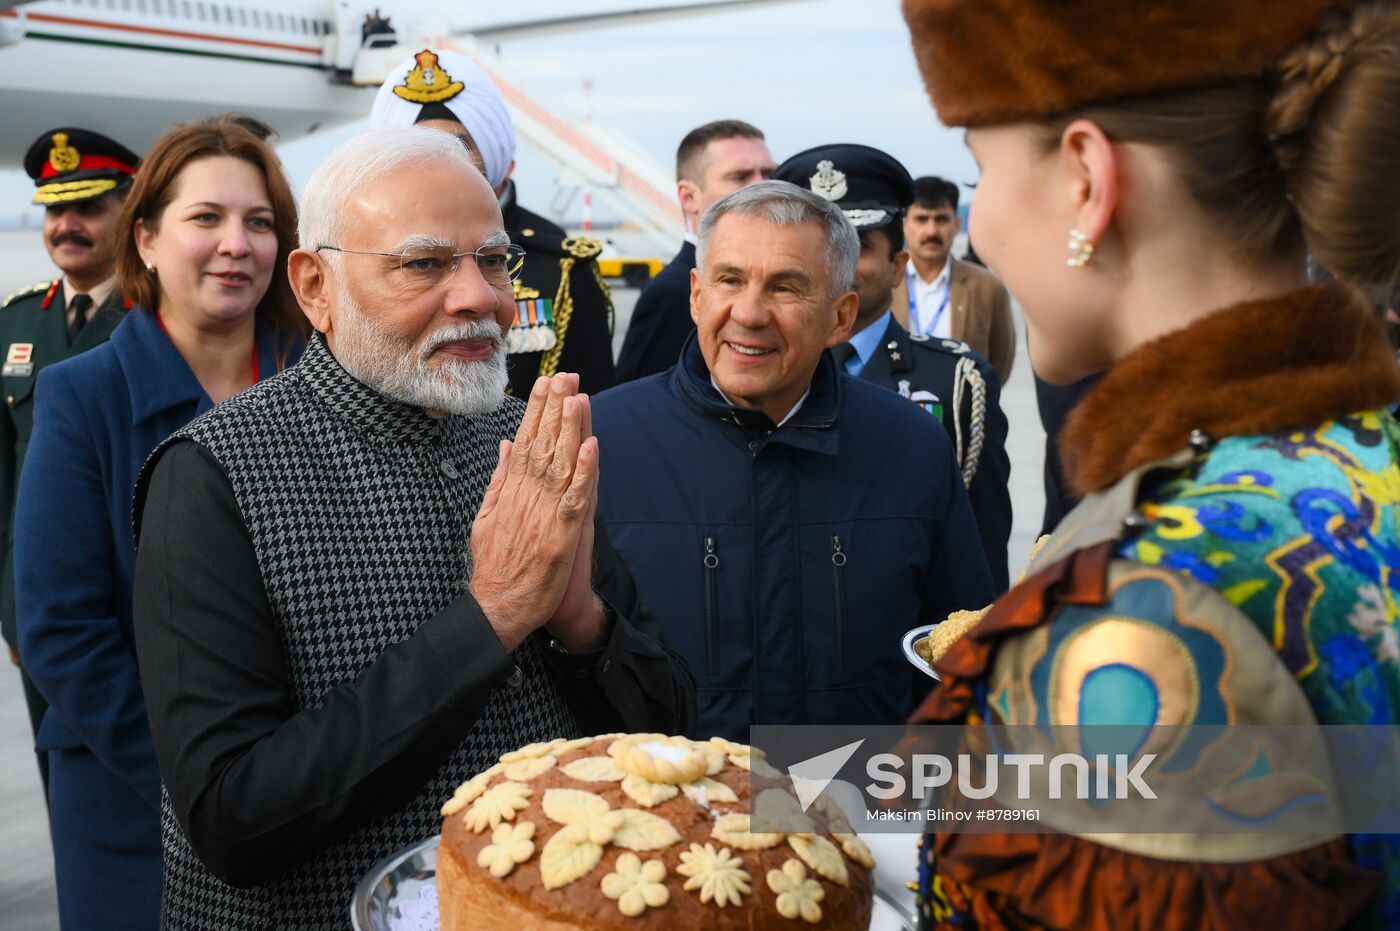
[[785, 563]]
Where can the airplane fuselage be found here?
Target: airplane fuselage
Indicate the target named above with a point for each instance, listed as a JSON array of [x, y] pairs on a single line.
[[132, 70]]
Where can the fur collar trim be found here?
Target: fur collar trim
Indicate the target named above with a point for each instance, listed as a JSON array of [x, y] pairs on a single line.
[[1255, 368]]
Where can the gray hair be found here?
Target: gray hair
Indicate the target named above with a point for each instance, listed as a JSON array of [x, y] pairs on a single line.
[[362, 160], [783, 204]]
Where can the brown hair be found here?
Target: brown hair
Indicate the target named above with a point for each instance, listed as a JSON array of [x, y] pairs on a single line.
[[1304, 157], [229, 136], [693, 146]]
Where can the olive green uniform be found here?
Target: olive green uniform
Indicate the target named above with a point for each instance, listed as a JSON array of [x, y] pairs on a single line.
[[33, 334]]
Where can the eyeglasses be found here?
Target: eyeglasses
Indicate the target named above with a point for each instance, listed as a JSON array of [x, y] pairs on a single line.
[[424, 268]]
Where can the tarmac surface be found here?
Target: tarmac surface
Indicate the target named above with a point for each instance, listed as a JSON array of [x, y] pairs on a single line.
[[27, 897]]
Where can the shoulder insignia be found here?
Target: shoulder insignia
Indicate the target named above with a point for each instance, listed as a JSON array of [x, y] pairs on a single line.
[[32, 289], [954, 345], [527, 232], [919, 337], [582, 247]]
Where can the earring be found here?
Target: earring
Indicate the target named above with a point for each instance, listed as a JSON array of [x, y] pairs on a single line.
[[150, 267], [1081, 250]]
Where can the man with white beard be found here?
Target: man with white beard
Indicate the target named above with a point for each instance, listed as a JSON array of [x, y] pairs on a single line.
[[337, 620]]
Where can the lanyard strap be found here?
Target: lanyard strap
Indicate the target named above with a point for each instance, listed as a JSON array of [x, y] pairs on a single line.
[[914, 304]]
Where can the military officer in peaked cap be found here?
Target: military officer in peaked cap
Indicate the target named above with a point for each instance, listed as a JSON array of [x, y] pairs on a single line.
[[564, 312], [944, 377], [81, 180]]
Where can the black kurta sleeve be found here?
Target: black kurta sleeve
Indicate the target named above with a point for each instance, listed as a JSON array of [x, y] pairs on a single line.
[[259, 784]]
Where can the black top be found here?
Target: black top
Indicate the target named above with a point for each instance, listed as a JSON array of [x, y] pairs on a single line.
[[661, 321], [1055, 403], [294, 780]]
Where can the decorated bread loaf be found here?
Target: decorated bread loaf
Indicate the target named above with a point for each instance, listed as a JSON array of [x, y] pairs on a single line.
[[643, 831]]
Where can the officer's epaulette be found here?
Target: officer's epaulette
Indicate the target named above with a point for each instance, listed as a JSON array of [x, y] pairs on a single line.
[[951, 347], [548, 241], [582, 247], [32, 289]]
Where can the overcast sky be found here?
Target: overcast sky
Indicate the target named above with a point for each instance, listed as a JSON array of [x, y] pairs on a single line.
[[806, 72]]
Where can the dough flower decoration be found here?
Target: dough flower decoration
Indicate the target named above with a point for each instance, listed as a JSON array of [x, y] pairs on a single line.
[[798, 896], [720, 876], [654, 768], [469, 791], [538, 758], [733, 829], [510, 846], [590, 824], [498, 803], [778, 807], [852, 846], [636, 886], [746, 758], [821, 856]]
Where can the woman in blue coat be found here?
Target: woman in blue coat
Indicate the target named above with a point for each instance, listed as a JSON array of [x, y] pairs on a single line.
[[205, 235]]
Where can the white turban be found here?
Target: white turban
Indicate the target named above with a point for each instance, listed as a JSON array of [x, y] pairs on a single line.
[[457, 83]]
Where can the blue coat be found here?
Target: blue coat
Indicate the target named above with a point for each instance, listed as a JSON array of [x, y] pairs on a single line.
[[97, 417], [786, 563]]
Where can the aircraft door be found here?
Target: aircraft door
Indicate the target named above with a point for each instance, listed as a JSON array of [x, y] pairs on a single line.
[[348, 18]]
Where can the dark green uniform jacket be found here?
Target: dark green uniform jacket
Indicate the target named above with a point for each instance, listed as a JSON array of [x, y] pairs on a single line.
[[33, 334]]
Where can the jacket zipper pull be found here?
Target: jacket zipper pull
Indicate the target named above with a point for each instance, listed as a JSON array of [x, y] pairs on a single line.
[[838, 565], [711, 608]]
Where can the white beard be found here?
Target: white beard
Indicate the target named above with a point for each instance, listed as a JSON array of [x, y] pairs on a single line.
[[391, 365]]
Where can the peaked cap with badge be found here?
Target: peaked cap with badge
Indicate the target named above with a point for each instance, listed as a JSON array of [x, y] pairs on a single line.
[[70, 165], [564, 313], [872, 188], [946, 378]]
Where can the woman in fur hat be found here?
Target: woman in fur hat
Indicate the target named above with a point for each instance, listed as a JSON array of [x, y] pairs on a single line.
[[1154, 177]]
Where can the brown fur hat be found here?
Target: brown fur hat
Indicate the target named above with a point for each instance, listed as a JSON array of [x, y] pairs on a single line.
[[1001, 61]]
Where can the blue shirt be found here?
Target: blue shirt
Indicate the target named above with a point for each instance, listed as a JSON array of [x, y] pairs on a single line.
[[866, 342]]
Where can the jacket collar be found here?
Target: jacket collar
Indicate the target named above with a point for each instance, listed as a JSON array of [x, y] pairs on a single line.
[[510, 206], [369, 411], [158, 377], [812, 428], [686, 256], [1254, 368], [892, 355]]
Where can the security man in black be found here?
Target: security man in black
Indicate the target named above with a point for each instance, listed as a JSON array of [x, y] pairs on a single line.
[[81, 179], [944, 377]]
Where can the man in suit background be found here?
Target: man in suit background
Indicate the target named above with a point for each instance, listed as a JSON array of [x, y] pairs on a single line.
[[713, 161], [81, 179], [942, 297]]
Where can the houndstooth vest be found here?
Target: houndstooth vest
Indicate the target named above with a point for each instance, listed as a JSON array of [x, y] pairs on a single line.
[[360, 511]]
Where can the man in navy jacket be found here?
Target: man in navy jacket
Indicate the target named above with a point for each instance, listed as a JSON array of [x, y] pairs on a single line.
[[786, 522]]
